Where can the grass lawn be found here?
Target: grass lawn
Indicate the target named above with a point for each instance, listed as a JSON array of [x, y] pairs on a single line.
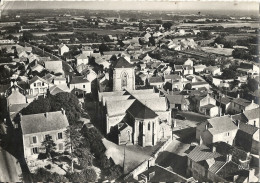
[[220, 51], [134, 154]]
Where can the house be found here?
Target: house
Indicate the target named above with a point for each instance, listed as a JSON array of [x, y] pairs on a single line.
[[248, 138], [224, 103], [138, 116], [37, 67], [103, 61], [213, 70], [178, 68], [172, 77], [187, 69], [218, 129], [239, 105], [89, 74], [221, 82], [86, 50], [220, 162], [38, 127], [63, 49], [204, 104], [252, 116], [80, 85], [188, 62], [156, 81], [38, 86], [198, 85], [177, 102], [54, 66], [82, 58], [147, 58]]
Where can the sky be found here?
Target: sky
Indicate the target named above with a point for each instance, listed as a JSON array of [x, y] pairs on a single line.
[[134, 5]]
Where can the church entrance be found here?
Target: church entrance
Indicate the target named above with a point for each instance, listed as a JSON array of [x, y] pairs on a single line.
[[140, 137]]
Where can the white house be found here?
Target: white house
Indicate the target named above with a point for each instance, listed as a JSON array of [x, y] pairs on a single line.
[[63, 49], [82, 59], [80, 85]]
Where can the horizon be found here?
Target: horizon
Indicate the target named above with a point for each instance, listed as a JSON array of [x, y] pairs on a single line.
[[250, 7]]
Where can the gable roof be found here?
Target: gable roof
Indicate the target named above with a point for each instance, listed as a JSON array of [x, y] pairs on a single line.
[[155, 79], [249, 129], [35, 123], [55, 66], [123, 63], [78, 79], [252, 114], [241, 101], [35, 78], [202, 152], [82, 56], [139, 110], [221, 124], [175, 99]]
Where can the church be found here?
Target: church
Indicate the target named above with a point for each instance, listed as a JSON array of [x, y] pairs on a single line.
[[133, 116]]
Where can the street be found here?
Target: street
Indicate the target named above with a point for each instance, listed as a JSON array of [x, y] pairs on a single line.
[[10, 170]]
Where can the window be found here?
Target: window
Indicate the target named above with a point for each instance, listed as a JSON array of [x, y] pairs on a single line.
[[124, 80], [39, 84], [59, 135], [227, 134], [34, 84], [84, 86], [34, 139], [42, 84], [35, 150], [61, 147], [149, 126]]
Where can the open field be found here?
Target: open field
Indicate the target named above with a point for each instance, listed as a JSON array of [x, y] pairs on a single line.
[[100, 31], [219, 51]]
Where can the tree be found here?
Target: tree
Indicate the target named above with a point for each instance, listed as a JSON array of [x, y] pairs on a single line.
[[167, 25], [252, 84], [27, 36], [49, 146], [42, 175], [103, 47]]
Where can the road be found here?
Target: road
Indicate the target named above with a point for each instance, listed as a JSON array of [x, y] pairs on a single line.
[[10, 170]]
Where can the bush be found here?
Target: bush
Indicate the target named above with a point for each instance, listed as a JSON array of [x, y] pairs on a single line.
[[48, 166], [42, 156]]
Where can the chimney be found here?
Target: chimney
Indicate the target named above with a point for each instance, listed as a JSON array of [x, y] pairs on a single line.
[[213, 149], [201, 141], [62, 111], [228, 157], [46, 115], [168, 91], [238, 96], [206, 127], [252, 101]]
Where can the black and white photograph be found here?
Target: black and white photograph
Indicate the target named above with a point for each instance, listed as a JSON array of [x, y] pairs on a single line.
[[129, 91]]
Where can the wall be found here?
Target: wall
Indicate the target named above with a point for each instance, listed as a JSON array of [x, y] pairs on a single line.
[[150, 162], [87, 88], [40, 88], [222, 137], [117, 73], [28, 143]]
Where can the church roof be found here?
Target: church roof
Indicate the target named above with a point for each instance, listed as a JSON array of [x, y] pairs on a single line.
[[139, 110], [123, 63]]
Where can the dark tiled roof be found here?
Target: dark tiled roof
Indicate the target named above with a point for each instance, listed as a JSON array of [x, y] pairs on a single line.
[[3, 88], [208, 106], [123, 63], [201, 153], [155, 79], [239, 117], [78, 79], [241, 101], [173, 76], [216, 166], [36, 123], [229, 170], [249, 129], [139, 110]]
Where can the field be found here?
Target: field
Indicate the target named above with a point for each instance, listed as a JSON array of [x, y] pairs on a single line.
[[100, 31], [219, 51]]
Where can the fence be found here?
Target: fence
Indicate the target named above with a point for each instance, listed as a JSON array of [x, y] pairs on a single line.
[[147, 163]]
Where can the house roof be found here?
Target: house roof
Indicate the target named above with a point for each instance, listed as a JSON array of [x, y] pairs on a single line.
[[123, 63], [78, 79], [249, 129], [82, 56], [118, 107], [208, 106], [178, 67], [17, 107], [221, 124], [252, 114], [155, 79], [36, 78], [175, 99], [241, 101], [202, 152], [55, 66], [139, 110], [36, 123], [239, 117], [173, 77]]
